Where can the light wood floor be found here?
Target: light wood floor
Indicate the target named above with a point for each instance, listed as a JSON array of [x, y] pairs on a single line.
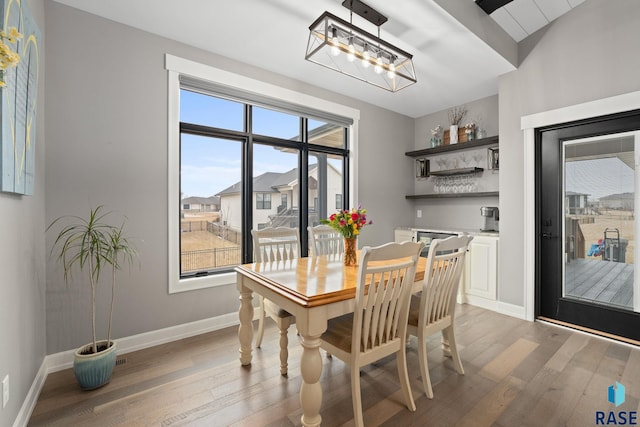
[[517, 373]]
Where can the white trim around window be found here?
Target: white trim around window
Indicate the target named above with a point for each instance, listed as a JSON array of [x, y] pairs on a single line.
[[177, 66]]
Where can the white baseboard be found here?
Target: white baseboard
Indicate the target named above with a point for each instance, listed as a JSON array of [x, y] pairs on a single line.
[[497, 306], [22, 419], [512, 310], [63, 360]]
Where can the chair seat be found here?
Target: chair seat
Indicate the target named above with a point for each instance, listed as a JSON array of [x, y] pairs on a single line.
[[339, 332]]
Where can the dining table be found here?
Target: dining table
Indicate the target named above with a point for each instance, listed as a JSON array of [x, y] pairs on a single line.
[[314, 290]]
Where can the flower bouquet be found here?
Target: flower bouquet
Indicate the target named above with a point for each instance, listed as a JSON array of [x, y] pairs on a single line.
[[348, 223]]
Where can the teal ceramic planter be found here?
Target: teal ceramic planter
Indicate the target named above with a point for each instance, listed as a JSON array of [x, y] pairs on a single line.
[[94, 370]]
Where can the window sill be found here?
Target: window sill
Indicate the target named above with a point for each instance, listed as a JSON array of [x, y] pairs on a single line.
[[195, 283]]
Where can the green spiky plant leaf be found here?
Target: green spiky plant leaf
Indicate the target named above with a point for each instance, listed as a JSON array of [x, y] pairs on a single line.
[[91, 244]]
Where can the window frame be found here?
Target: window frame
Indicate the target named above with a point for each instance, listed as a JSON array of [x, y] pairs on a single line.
[[176, 67]]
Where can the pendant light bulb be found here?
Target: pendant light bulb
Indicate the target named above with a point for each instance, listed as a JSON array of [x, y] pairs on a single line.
[[335, 50], [365, 56], [392, 71], [378, 67], [351, 56]]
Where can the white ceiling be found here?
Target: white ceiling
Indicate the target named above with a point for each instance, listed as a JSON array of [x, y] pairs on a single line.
[[521, 18], [453, 65]]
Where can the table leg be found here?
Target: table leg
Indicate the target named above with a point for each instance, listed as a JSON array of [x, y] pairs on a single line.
[[311, 389], [245, 331]]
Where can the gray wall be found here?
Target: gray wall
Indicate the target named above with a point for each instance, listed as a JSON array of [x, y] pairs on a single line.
[[107, 133], [463, 212], [22, 265], [105, 117], [587, 54]]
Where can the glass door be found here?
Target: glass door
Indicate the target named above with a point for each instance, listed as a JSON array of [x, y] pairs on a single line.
[[586, 177], [599, 204]]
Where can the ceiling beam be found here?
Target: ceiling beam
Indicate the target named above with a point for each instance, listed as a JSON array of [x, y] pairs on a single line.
[[489, 6]]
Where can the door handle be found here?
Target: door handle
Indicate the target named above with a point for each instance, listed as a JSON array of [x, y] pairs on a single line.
[[546, 235]]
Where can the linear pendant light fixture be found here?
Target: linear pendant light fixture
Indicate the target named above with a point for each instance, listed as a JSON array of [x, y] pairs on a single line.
[[341, 46]]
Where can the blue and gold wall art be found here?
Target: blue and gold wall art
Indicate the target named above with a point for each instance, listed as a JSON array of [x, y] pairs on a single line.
[[19, 72]]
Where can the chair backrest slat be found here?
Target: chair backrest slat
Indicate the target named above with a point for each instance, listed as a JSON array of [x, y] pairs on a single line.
[[275, 244], [442, 277], [325, 240], [383, 292]]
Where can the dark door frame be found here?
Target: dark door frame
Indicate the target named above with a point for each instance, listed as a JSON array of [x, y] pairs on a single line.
[[549, 302]]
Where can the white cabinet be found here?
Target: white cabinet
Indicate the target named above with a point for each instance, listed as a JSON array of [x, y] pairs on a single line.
[[481, 271], [404, 235]]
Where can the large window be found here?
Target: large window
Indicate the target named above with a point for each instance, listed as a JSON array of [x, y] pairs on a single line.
[[242, 161], [244, 155]]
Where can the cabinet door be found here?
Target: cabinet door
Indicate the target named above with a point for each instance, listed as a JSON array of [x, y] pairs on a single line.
[[481, 267]]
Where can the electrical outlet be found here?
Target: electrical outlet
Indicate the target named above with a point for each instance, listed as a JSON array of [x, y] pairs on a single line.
[[5, 390], [419, 213]]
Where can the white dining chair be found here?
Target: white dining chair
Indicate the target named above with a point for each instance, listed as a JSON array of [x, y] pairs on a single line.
[[378, 326], [433, 309], [325, 240], [273, 245]]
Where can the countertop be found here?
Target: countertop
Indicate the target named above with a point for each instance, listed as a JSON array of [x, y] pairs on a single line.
[[454, 230]]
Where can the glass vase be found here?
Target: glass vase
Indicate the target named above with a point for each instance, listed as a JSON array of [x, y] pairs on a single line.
[[350, 257], [470, 134]]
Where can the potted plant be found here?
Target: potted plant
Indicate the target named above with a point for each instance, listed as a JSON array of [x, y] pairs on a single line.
[[91, 244]]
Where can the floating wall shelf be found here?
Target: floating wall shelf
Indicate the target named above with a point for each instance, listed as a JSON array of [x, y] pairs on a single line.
[[455, 147], [451, 172], [453, 195]]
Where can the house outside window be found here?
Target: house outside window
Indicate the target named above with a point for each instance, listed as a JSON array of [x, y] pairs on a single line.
[[339, 205], [241, 152]]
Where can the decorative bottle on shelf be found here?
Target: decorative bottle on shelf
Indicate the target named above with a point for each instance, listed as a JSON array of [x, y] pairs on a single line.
[[436, 136], [453, 134]]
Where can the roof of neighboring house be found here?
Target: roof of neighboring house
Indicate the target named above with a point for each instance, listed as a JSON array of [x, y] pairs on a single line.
[[261, 184], [573, 193], [212, 200], [328, 134], [289, 178], [286, 178], [267, 182], [619, 196]]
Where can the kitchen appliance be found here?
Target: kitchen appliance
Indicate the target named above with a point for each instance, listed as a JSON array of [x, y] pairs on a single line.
[[491, 217]]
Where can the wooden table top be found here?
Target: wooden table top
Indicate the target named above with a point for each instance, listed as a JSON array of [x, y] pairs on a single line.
[[311, 281]]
